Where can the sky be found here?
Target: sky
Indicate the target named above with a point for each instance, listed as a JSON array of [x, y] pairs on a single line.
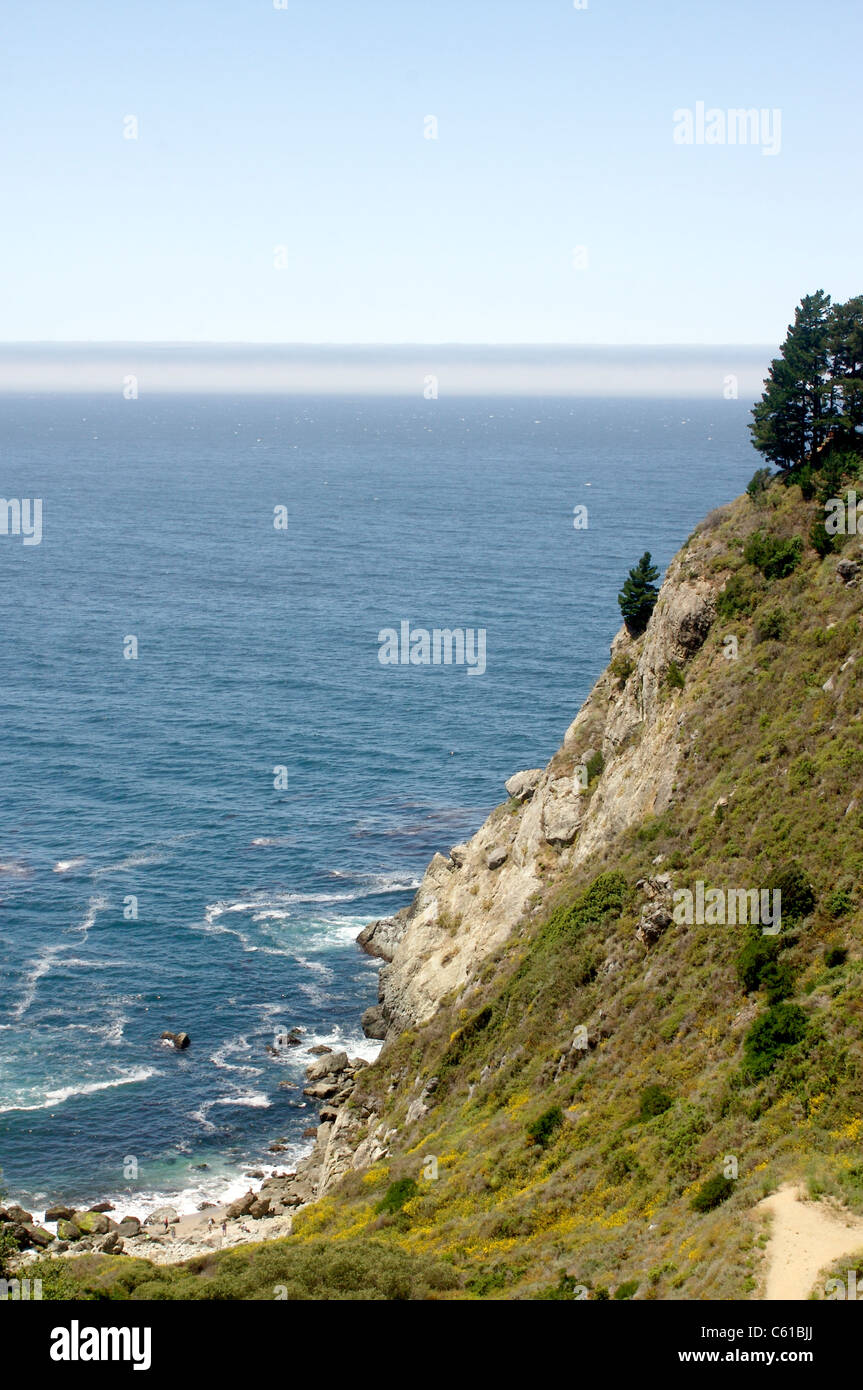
[[282, 188]]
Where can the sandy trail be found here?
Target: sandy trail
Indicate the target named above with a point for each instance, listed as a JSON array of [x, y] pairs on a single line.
[[805, 1237]]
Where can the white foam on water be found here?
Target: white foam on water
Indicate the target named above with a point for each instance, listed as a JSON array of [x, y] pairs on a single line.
[[255, 1100], [139, 860], [64, 1093], [96, 905], [228, 1049], [15, 868], [68, 866]]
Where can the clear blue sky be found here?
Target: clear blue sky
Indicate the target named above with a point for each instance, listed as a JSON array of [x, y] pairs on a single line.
[[304, 128]]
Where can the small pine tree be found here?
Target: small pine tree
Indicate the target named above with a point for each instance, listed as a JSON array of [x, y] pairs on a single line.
[[639, 594]]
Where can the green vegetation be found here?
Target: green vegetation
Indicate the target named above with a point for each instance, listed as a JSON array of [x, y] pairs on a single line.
[[638, 596], [813, 395], [712, 1193], [774, 556], [396, 1195], [543, 1129], [589, 1084], [313, 1270], [654, 1101], [780, 1028]]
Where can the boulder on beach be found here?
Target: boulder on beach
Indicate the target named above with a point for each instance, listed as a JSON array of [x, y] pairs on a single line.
[[16, 1215], [241, 1207], [92, 1223], [59, 1213], [129, 1226], [67, 1230], [180, 1040], [36, 1235], [161, 1215], [102, 1206]]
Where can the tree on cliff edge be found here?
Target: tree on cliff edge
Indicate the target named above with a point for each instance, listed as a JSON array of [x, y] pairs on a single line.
[[639, 594]]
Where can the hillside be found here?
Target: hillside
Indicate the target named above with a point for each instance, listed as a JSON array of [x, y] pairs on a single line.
[[567, 1065]]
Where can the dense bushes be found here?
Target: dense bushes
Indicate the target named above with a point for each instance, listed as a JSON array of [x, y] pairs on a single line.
[[798, 895], [712, 1193], [759, 967], [774, 557], [542, 1130], [396, 1195], [781, 1027], [606, 894], [654, 1101], [314, 1270]]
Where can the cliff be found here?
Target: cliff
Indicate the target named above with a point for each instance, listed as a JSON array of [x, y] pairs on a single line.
[[584, 1090], [616, 765]]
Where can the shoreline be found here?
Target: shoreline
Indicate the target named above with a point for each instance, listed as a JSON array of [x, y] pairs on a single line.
[[167, 1235]]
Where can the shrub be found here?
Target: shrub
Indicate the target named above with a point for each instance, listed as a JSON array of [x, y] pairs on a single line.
[[772, 627], [737, 599], [759, 483], [820, 538], [712, 1193], [781, 1027], [654, 1101], [396, 1196], [463, 1040], [542, 1130], [621, 667], [775, 558], [838, 903], [594, 765], [626, 1290], [606, 894], [567, 1287], [798, 895], [758, 967], [674, 677]]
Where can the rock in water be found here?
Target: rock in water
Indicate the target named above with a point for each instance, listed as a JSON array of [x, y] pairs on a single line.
[[59, 1213], [180, 1040]]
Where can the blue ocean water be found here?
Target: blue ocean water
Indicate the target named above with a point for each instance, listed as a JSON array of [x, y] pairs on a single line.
[[257, 648]]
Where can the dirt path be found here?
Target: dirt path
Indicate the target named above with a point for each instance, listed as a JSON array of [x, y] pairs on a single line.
[[805, 1237]]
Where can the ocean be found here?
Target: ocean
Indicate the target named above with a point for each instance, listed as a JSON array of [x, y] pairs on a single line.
[[210, 780]]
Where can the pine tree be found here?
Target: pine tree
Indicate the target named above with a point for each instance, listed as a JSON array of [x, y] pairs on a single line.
[[845, 349], [639, 594], [798, 409]]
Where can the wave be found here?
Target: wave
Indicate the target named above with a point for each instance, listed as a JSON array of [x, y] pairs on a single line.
[[64, 1093], [14, 868], [138, 860], [240, 1044], [272, 842], [96, 905], [255, 1100], [373, 885], [68, 866]]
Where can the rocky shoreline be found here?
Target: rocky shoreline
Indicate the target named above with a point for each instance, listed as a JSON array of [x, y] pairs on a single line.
[[345, 1136]]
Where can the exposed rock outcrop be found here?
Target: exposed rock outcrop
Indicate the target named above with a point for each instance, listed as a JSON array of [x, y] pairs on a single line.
[[470, 900]]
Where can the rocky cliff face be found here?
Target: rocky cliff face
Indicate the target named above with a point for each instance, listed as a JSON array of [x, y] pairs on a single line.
[[616, 765]]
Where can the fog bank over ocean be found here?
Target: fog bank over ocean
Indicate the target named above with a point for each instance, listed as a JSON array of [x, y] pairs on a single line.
[[693, 371]]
